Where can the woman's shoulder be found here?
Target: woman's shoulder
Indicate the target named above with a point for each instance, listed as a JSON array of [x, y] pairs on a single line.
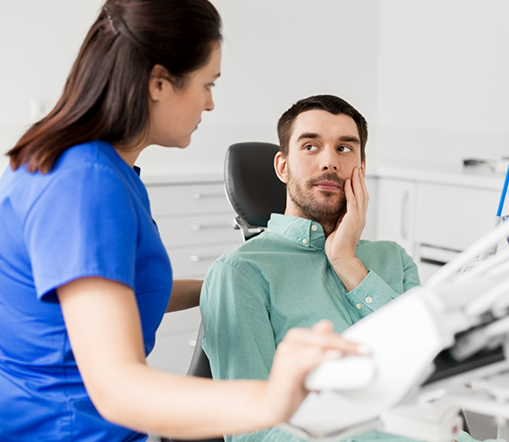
[[95, 154], [94, 164], [88, 170]]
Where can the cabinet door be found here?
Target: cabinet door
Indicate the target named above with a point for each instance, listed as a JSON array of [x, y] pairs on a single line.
[[454, 217], [199, 230], [186, 199], [173, 353], [394, 212]]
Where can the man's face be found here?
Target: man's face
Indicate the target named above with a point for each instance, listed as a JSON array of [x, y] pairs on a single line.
[[323, 151]]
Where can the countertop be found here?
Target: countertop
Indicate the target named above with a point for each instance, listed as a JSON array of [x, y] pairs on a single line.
[[479, 177]]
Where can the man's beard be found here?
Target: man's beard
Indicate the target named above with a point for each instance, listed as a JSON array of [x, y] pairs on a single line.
[[325, 212]]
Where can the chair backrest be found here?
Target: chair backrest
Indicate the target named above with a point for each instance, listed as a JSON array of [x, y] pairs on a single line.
[[252, 186], [199, 365]]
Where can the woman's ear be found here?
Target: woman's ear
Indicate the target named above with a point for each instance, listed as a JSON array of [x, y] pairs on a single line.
[[280, 165], [159, 82]]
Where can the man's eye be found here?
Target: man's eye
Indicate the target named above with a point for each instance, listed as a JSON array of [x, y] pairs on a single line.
[[344, 149], [310, 147]]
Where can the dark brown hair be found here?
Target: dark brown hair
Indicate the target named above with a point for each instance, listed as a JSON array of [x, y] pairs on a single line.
[[329, 103], [106, 94]]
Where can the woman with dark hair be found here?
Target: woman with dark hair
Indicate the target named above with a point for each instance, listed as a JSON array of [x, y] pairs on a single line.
[[84, 276]]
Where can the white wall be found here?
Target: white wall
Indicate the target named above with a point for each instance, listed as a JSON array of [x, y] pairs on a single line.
[[443, 79], [39, 41], [274, 53], [431, 77]]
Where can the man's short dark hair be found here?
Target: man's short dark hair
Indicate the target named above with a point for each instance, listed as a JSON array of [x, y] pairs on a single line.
[[328, 103]]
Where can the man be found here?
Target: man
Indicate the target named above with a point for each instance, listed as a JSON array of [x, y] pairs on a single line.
[[310, 264]]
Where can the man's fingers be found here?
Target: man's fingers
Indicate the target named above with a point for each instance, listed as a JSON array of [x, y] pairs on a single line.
[[363, 184], [359, 187], [364, 188], [351, 198]]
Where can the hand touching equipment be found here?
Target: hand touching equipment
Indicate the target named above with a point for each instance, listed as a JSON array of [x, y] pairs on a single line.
[[435, 350], [299, 352]]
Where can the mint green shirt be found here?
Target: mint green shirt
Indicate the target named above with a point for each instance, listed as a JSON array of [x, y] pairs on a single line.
[[255, 293]]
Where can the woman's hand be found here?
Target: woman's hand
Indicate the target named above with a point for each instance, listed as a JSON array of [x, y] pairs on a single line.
[[300, 352]]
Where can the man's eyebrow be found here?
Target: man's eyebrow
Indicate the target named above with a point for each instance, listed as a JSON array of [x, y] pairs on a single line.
[[308, 135], [350, 139], [313, 136]]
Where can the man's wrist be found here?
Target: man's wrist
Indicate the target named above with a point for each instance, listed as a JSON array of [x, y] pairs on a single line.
[[351, 271]]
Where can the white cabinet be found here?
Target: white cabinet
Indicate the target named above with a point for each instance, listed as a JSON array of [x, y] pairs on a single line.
[[434, 221], [195, 221]]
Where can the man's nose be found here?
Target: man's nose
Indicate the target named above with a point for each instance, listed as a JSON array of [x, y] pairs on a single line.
[[329, 161]]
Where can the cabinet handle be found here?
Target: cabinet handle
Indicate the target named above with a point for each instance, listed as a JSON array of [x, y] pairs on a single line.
[[198, 258], [196, 227], [404, 215], [201, 196]]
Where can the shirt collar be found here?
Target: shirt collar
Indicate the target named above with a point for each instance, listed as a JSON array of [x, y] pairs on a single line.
[[301, 231]]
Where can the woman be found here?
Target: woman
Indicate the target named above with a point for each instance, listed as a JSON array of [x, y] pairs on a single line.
[[84, 277]]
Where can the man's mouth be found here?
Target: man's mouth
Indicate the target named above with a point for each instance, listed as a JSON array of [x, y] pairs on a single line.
[[328, 186]]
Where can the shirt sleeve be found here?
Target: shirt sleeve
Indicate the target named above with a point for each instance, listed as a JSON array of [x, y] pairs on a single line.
[[237, 332], [83, 224], [388, 277], [465, 437]]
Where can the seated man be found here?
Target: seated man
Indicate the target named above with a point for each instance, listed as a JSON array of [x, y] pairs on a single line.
[[310, 264]]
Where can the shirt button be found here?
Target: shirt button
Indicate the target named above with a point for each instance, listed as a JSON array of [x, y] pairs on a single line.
[[358, 306], [369, 299], [314, 228], [304, 241]]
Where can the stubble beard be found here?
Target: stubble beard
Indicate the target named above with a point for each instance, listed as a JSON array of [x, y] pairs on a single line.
[[325, 212]]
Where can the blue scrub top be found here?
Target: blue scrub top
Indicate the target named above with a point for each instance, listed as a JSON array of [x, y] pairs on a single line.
[[89, 216]]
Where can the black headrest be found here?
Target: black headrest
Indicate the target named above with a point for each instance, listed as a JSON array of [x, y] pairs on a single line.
[[252, 186]]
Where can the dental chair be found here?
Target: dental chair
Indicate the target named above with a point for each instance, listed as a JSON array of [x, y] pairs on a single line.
[[254, 192]]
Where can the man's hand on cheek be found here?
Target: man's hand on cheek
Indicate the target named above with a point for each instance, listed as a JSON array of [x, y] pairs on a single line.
[[341, 244]]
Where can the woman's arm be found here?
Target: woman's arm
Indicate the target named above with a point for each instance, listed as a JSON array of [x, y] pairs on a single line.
[[104, 328], [185, 294]]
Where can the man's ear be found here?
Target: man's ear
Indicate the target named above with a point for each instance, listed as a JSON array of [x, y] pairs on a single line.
[[159, 83], [363, 168], [280, 165]]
